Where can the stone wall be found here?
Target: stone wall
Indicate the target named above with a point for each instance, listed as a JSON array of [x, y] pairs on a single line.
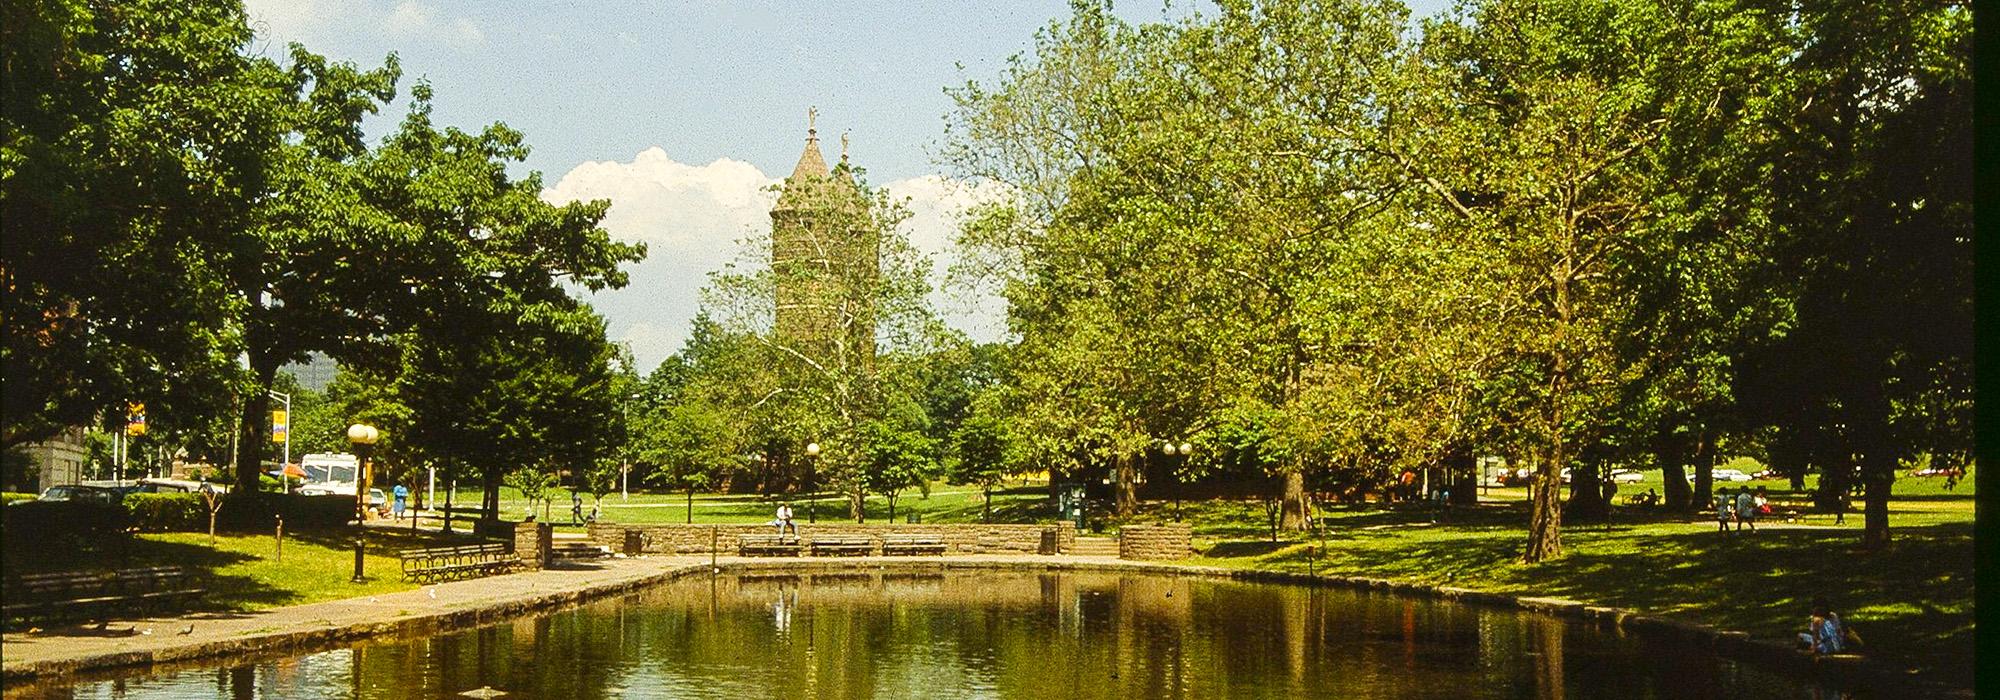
[[535, 542], [1156, 541], [968, 538]]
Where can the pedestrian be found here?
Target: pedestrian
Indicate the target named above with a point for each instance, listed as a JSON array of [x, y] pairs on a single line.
[[1823, 633], [575, 508], [785, 519], [1746, 509], [402, 497], [1725, 510], [1610, 492]]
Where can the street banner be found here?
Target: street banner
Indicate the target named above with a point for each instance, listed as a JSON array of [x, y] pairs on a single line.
[[280, 425], [135, 418]]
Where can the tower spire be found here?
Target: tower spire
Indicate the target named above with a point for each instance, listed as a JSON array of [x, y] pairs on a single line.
[[812, 118], [843, 148]]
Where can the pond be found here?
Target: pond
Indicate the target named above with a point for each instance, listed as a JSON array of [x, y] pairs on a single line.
[[988, 634]]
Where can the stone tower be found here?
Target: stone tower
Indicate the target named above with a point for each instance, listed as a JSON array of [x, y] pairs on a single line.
[[824, 255]]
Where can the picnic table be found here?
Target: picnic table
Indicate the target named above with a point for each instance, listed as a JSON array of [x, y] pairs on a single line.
[[467, 561], [95, 595]]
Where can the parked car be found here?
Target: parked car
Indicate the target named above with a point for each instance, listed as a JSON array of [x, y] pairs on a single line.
[[1729, 475], [178, 486], [80, 492], [1627, 476]]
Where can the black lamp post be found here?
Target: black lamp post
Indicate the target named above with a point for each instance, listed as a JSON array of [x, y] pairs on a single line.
[[1184, 451], [363, 438], [812, 478]]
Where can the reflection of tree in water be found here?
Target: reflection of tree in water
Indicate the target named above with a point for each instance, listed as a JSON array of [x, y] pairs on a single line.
[[1002, 634]]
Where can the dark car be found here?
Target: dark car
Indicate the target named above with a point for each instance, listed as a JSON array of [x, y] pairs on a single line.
[[80, 492]]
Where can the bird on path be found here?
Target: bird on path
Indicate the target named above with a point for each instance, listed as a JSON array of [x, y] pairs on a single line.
[[186, 632]]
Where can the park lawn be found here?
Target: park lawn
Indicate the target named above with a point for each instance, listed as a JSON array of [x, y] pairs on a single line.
[[242, 572], [1913, 601]]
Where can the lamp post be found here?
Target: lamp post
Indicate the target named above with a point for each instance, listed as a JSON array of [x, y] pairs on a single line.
[[625, 466], [1184, 450], [363, 437], [812, 478]]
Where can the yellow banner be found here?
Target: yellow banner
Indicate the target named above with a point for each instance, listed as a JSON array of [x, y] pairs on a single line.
[[280, 425]]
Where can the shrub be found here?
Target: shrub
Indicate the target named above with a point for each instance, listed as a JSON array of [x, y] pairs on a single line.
[[168, 512], [58, 528], [258, 512], [16, 497]]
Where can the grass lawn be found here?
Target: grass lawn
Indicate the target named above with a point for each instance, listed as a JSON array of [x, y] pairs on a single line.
[[243, 572], [1913, 602]]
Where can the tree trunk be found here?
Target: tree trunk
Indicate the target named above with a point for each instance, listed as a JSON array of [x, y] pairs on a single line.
[[1127, 491], [1877, 476], [1586, 493], [1704, 473], [489, 498], [1671, 455], [986, 503], [892, 506], [1463, 465], [857, 504], [1294, 502], [1545, 514], [255, 426]]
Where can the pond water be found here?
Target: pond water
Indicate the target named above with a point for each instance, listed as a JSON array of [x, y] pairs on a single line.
[[988, 634]]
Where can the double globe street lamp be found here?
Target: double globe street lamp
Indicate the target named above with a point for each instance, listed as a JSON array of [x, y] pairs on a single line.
[[1184, 450]]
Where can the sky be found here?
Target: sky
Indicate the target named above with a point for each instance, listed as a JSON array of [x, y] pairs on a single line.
[[683, 112]]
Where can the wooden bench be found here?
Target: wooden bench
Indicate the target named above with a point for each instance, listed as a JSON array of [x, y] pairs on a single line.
[[912, 544], [96, 595], [862, 546], [768, 545], [463, 561]]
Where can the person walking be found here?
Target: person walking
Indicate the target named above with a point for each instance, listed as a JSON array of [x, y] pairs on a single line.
[[1725, 510], [1746, 509], [575, 508], [402, 494]]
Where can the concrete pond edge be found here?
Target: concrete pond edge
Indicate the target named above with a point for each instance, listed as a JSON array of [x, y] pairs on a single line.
[[1782, 656]]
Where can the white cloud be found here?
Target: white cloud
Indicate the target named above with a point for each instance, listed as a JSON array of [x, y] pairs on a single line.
[[693, 218], [936, 203], [309, 21], [410, 18], [290, 19]]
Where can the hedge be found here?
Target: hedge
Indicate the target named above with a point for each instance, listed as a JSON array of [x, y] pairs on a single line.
[[258, 512], [168, 512], [62, 526]]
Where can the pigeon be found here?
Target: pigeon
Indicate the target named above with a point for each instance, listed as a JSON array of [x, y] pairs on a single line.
[[186, 632], [148, 630], [433, 591]]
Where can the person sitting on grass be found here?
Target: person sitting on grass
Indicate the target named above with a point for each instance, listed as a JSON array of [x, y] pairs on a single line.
[[1823, 633]]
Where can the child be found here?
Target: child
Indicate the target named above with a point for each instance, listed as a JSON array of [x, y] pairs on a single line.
[[1725, 510], [1823, 632]]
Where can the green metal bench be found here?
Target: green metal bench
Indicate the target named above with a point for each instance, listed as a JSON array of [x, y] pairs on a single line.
[[463, 561], [97, 595]]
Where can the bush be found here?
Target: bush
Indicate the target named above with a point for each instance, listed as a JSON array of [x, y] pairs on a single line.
[[258, 512], [6, 498], [59, 528], [168, 512]]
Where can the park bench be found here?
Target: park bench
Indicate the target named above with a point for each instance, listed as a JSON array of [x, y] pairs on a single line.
[[96, 595], [842, 546], [463, 561], [767, 545], [912, 544]]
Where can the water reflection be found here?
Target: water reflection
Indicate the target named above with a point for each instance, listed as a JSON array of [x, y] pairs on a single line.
[[988, 635]]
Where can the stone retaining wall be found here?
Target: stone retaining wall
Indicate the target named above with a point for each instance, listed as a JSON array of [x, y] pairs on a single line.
[[1156, 542], [679, 538]]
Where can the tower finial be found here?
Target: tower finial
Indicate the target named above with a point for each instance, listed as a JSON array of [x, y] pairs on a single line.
[[843, 148], [812, 117]]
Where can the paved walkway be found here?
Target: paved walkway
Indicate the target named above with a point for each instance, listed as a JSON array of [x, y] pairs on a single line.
[[129, 641]]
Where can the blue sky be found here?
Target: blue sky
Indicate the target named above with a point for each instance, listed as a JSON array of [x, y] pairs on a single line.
[[680, 111]]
